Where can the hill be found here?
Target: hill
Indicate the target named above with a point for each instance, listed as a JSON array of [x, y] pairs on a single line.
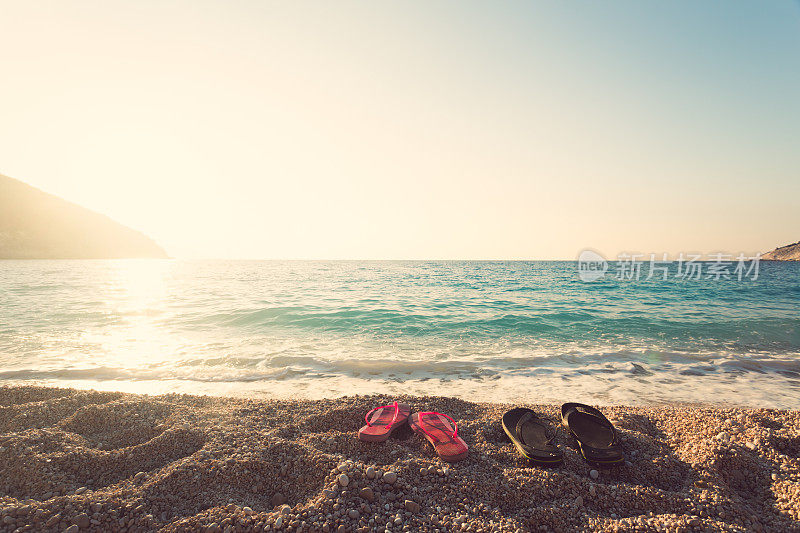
[[790, 252], [38, 225]]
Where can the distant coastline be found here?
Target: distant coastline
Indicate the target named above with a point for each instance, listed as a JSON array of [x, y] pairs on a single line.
[[790, 252], [38, 225]]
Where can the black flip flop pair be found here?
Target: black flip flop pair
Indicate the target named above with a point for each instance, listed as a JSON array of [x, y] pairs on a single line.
[[534, 436]]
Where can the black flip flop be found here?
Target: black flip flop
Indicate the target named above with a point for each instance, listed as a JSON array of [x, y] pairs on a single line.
[[532, 436], [596, 436]]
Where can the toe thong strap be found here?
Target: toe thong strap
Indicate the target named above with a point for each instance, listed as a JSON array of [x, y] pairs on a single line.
[[431, 435], [394, 418]]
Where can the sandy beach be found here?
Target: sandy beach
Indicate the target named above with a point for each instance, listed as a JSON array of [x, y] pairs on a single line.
[[98, 461]]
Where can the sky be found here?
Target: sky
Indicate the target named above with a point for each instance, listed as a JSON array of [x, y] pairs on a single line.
[[412, 130]]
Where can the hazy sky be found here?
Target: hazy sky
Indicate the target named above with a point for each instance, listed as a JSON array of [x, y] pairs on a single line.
[[293, 129]]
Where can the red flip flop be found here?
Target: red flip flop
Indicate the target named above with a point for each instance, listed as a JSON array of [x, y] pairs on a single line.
[[437, 429], [381, 421]]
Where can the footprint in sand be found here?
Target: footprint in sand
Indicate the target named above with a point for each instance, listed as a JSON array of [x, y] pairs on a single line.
[[95, 446]]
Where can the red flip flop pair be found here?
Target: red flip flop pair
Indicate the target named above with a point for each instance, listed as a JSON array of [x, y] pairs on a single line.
[[439, 429]]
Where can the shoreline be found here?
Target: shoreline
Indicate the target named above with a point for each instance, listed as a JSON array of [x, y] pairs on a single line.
[[110, 461], [757, 391]]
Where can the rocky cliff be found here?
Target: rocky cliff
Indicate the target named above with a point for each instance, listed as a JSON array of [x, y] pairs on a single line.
[[790, 252]]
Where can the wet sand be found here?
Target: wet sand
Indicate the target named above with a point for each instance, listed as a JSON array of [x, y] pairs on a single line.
[[99, 461]]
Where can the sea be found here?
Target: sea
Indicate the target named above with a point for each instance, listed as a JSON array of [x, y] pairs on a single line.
[[495, 331]]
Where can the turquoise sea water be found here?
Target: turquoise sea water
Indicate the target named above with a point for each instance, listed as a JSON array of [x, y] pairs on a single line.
[[495, 331]]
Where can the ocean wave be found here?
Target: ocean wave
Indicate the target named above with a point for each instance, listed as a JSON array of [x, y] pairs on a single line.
[[286, 367], [375, 324]]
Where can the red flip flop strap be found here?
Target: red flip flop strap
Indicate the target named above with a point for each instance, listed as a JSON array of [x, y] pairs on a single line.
[[394, 418], [422, 427]]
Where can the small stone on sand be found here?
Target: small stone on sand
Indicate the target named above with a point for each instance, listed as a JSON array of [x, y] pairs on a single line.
[[82, 520], [411, 506]]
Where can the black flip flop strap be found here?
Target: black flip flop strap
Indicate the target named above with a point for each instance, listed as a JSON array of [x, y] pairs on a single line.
[[591, 411], [597, 414], [530, 417]]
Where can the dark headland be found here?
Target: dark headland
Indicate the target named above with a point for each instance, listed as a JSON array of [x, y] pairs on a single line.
[[790, 252], [38, 225]]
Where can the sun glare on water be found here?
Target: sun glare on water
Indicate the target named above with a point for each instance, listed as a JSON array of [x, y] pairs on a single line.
[[136, 300]]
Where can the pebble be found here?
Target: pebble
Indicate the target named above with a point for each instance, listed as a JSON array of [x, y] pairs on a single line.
[[277, 499], [138, 477], [367, 494], [82, 520], [343, 480], [370, 472], [247, 510], [72, 529], [594, 474], [390, 477], [80, 490], [352, 513], [411, 506]]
